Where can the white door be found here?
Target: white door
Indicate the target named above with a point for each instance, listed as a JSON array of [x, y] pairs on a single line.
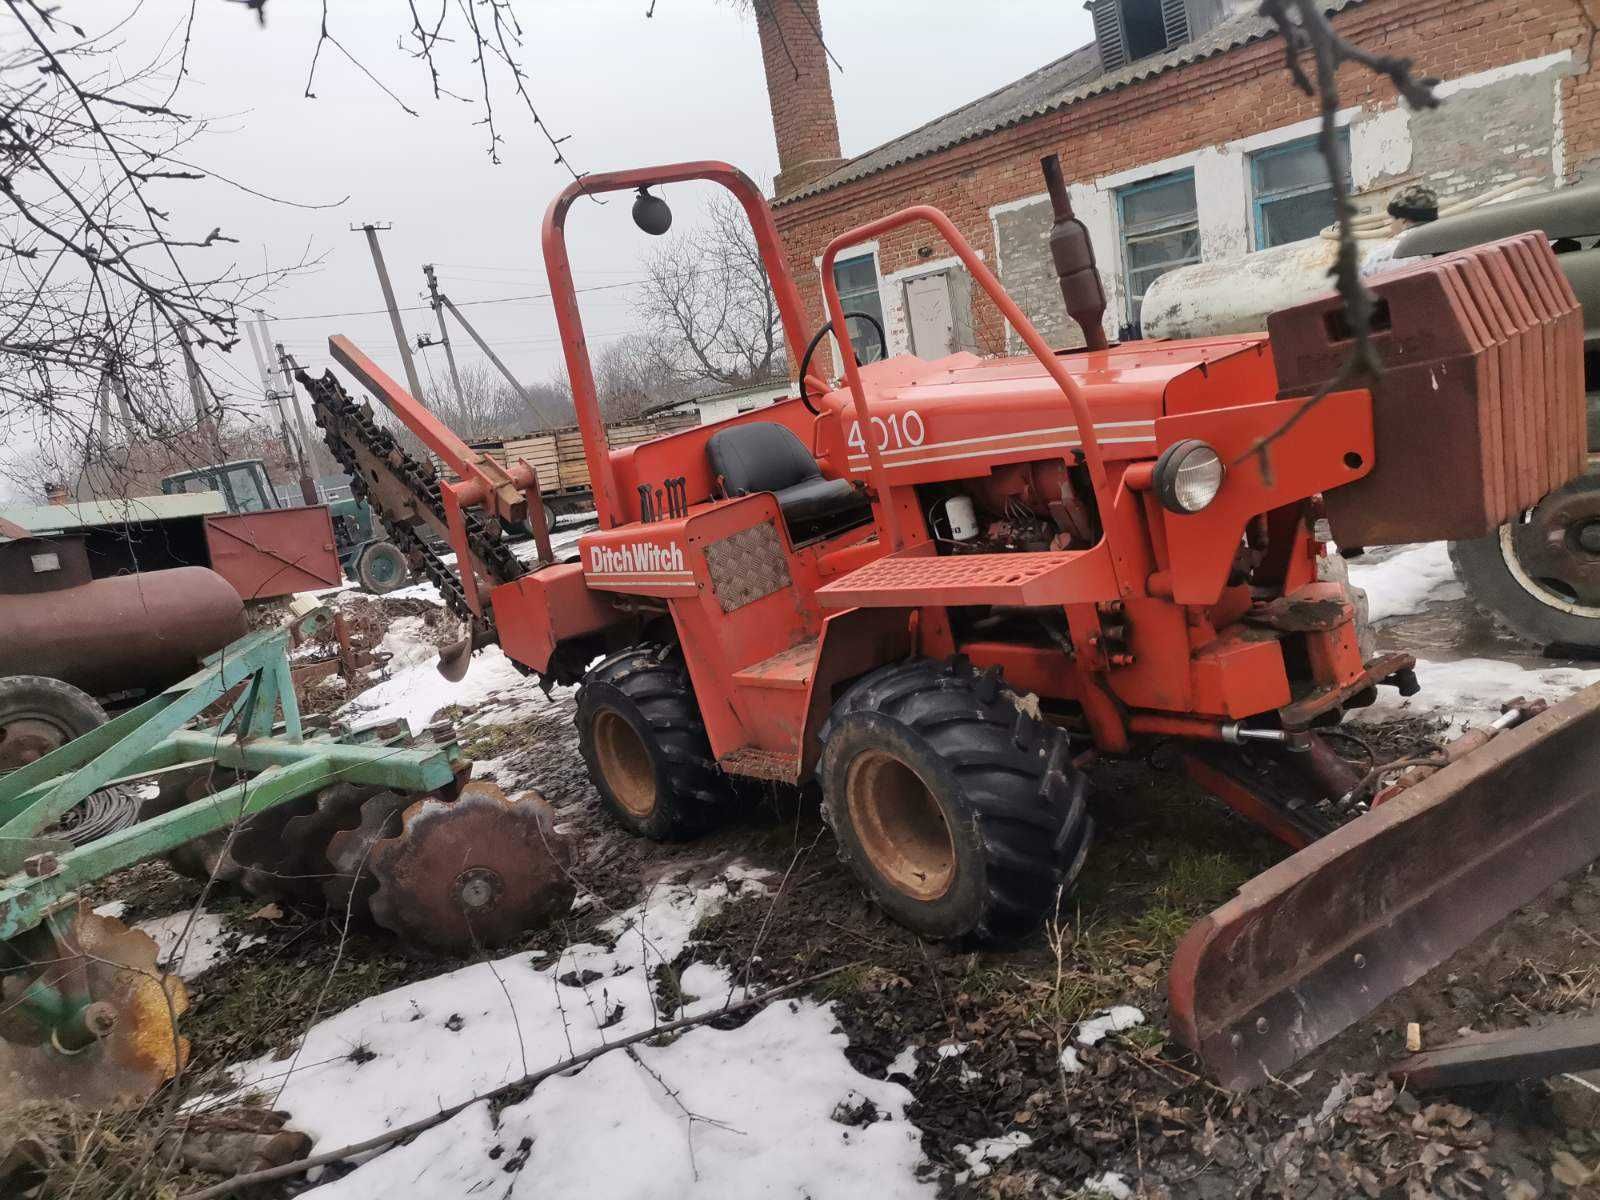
[[931, 316]]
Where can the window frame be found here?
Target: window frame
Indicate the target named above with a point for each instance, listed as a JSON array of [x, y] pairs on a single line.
[[1259, 199], [870, 343], [1126, 231]]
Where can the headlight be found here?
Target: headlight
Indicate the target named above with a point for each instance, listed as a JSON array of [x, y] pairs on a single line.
[[1188, 476]]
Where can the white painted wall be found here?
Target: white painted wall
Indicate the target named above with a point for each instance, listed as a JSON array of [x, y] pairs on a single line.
[[1381, 151], [730, 404]]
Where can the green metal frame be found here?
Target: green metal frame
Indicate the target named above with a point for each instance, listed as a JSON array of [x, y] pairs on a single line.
[[260, 733]]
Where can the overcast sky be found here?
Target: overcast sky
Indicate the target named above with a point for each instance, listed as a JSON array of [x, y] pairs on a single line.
[[629, 90]]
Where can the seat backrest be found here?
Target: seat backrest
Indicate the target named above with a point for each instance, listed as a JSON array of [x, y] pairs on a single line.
[[760, 456]]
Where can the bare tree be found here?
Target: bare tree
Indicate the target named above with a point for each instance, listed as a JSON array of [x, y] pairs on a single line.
[[106, 301], [632, 379], [708, 306], [111, 310]]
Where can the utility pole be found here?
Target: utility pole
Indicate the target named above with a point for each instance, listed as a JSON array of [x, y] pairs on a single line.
[[435, 299], [308, 485], [297, 447], [204, 425], [495, 359], [371, 231]]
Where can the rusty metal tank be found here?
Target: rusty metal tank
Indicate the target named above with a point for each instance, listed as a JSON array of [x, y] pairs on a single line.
[[125, 633]]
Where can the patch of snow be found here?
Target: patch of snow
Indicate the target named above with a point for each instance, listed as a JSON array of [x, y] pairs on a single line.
[[1094, 1030], [111, 908], [905, 1063], [1408, 581], [1109, 1184], [955, 1050], [424, 591], [406, 643], [1113, 1020], [982, 1157], [764, 1095], [202, 948], [1469, 692], [418, 691]]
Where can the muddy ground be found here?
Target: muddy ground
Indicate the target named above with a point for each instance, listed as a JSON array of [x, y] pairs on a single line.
[[1165, 854]]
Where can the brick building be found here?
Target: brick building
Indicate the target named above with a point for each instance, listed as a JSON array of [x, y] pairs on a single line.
[[1183, 140]]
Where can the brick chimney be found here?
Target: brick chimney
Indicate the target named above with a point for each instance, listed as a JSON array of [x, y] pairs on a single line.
[[803, 117]]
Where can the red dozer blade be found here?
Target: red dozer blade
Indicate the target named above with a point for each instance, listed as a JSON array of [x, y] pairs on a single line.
[[1317, 942]]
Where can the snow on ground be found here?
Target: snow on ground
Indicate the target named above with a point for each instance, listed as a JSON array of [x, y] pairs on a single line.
[[988, 1151], [768, 1098], [416, 692], [1469, 692], [187, 948], [1406, 582], [1094, 1031]]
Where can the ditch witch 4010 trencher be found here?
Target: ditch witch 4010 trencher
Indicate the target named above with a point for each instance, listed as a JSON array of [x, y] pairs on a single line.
[[935, 587]]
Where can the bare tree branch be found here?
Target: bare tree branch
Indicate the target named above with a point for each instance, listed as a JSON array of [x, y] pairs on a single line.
[[1307, 31]]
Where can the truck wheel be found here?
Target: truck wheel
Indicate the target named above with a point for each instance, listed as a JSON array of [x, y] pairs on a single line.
[[39, 714], [1541, 577], [381, 568], [642, 738], [961, 812]]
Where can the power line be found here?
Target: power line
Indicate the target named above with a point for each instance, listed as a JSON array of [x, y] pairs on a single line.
[[378, 312]]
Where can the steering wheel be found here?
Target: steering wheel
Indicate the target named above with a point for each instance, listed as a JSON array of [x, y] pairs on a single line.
[[816, 340]]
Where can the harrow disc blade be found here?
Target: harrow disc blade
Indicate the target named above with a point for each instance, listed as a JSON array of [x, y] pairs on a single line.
[[474, 871], [270, 861], [1317, 942], [307, 838], [100, 960], [208, 856], [349, 884]]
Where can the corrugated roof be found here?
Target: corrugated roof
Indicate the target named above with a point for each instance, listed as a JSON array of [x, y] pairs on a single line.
[[84, 514], [1053, 87]]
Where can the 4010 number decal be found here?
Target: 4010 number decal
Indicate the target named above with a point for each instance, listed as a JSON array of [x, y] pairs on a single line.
[[897, 431]]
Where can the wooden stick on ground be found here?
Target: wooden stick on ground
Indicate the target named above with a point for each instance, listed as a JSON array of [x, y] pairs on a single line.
[[228, 1187]]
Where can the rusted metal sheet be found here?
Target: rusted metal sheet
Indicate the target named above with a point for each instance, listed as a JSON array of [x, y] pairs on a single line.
[[1482, 350], [1568, 1044], [275, 553], [1318, 941]]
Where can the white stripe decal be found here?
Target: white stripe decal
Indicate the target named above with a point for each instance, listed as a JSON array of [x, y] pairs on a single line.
[[641, 577], [991, 450], [1000, 437]]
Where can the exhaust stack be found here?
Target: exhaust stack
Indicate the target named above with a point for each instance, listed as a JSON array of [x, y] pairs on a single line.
[[1081, 288]]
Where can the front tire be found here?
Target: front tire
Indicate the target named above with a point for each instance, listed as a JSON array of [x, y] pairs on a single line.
[[961, 812], [643, 740]]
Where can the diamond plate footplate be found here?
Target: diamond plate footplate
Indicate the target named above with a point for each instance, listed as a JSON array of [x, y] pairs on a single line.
[[747, 565]]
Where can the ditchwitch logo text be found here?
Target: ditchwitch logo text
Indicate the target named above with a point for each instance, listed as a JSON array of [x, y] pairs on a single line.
[[641, 558]]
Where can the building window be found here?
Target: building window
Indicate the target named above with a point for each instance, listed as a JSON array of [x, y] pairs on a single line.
[[1160, 232], [1128, 30], [1293, 194], [857, 281]]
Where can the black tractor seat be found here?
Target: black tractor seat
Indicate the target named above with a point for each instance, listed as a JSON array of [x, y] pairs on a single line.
[[761, 456]]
